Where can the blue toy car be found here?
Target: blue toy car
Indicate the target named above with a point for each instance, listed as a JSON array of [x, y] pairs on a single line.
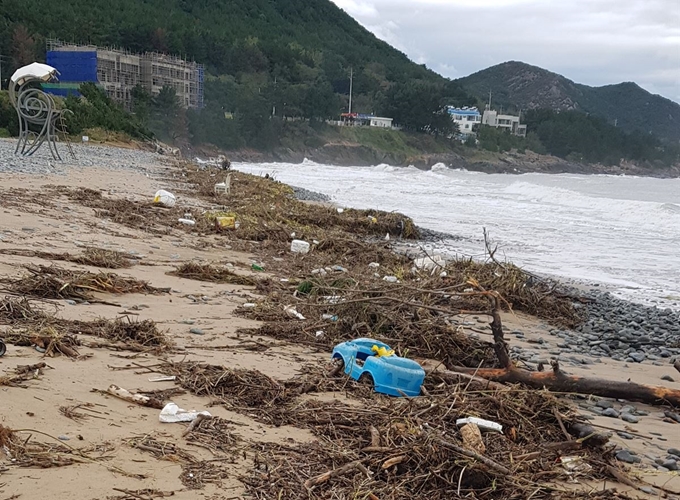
[[374, 360]]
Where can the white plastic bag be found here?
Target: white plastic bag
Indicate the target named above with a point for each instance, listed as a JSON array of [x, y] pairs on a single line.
[[171, 413], [164, 198]]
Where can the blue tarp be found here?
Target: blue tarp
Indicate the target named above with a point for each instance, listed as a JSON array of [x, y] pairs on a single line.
[[74, 66]]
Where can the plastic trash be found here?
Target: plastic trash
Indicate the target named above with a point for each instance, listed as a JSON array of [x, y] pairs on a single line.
[[292, 312], [485, 425], [372, 219], [339, 269], [171, 413], [374, 265], [249, 305], [391, 279], [164, 198], [188, 222], [299, 246], [382, 351], [429, 263], [340, 210], [226, 222], [257, 267], [331, 317], [321, 271], [391, 375], [319, 334]]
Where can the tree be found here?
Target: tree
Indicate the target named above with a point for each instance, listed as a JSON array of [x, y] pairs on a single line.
[[23, 47]]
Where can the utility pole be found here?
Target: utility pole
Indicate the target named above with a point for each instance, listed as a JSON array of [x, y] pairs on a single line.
[[351, 77]]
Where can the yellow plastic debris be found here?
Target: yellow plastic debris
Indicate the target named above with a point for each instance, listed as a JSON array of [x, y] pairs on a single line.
[[381, 351]]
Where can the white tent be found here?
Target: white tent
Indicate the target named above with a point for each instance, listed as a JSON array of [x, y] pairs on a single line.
[[34, 70]]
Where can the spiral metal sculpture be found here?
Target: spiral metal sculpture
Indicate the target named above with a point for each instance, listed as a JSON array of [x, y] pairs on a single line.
[[38, 118]]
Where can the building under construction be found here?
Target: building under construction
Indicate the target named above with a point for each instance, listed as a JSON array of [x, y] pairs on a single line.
[[119, 71]]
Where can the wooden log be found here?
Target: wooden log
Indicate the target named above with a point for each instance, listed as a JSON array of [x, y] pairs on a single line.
[[139, 399], [322, 478], [558, 381]]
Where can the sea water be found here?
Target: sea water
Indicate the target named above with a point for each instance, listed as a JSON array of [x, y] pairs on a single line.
[[620, 232]]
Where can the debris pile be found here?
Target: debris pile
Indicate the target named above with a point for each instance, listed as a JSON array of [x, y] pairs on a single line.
[[207, 272], [52, 282]]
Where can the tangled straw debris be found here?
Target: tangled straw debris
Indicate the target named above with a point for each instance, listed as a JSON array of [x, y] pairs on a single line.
[[207, 272], [56, 283], [237, 388], [91, 256], [33, 326]]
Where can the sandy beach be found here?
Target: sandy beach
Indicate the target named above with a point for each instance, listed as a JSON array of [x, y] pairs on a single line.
[[199, 318]]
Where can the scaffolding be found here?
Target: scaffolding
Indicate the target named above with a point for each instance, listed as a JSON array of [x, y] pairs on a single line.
[[119, 71]]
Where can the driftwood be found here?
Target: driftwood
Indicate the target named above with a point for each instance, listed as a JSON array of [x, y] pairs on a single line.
[[139, 399], [322, 478], [558, 381], [555, 380]]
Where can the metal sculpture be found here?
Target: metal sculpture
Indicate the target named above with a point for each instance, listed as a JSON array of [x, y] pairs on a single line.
[[36, 110]]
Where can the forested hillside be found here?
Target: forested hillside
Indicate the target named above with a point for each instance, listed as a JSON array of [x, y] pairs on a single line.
[[266, 59]]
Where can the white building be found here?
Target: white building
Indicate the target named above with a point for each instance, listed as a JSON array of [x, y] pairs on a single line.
[[381, 122], [466, 118], [507, 122]]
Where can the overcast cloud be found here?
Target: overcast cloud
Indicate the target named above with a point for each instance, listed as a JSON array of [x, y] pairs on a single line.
[[596, 42]]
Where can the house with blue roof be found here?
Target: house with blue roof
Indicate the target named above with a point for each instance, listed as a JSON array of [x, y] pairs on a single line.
[[466, 118]]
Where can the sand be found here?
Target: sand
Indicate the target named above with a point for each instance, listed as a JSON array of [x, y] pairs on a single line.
[[69, 228]]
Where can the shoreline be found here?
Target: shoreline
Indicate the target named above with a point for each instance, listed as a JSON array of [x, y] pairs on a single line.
[[511, 162]]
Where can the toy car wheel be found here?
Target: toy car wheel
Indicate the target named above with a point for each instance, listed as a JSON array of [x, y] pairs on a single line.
[[366, 379], [336, 366], [3, 348]]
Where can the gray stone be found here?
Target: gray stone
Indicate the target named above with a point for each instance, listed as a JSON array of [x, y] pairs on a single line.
[[638, 357], [196, 331], [668, 378], [610, 412], [670, 464], [674, 451], [605, 403], [625, 435], [627, 457], [64, 438], [629, 418]]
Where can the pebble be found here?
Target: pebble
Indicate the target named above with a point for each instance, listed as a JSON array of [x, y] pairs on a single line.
[[629, 418], [196, 331], [625, 435], [189, 321], [674, 451], [627, 457], [604, 403], [670, 464], [40, 349], [610, 412], [668, 378], [648, 489], [71, 302], [64, 438]]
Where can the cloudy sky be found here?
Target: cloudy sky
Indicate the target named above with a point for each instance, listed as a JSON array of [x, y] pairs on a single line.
[[595, 42]]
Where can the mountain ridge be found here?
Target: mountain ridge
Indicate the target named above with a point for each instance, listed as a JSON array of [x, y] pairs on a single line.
[[519, 85]]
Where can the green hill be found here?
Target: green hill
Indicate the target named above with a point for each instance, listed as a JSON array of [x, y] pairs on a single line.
[[519, 85]]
